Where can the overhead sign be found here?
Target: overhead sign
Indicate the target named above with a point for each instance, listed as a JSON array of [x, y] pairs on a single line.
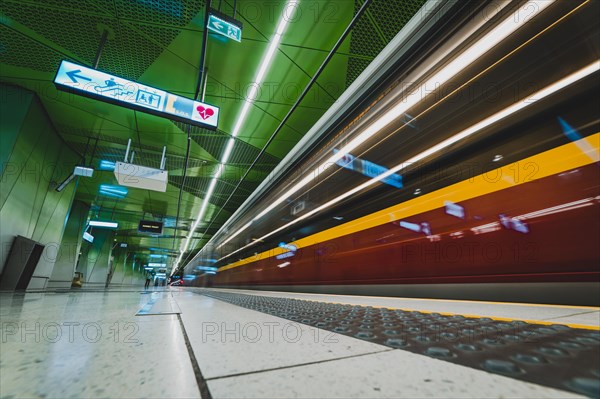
[[368, 169], [88, 237], [149, 226], [225, 26], [138, 176], [113, 89]]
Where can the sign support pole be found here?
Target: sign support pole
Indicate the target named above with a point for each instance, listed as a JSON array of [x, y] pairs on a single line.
[[127, 151], [204, 83], [163, 160], [201, 73], [103, 40], [203, 51]]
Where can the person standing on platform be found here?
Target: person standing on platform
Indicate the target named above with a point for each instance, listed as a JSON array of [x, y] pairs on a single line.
[[148, 279]]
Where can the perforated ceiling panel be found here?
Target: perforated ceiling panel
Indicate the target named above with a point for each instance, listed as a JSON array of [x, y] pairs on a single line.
[[19, 50], [383, 21]]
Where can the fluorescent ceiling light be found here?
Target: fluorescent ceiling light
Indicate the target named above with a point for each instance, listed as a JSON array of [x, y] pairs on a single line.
[[262, 70], [113, 191], [157, 264], [100, 223], [107, 165], [506, 112], [228, 150]]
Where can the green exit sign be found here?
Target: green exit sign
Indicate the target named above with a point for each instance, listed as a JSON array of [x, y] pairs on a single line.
[[225, 26]]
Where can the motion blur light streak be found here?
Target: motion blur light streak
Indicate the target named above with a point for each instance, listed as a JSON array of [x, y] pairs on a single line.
[[266, 62], [486, 228], [232, 236], [583, 144], [534, 98], [559, 208], [484, 44]]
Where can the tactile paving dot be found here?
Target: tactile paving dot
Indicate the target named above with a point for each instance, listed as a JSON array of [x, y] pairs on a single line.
[[552, 355]]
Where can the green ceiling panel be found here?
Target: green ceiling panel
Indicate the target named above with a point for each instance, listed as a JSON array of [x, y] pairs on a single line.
[[158, 43]]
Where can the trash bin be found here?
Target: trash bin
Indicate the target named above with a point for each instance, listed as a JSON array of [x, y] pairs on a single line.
[[77, 280]]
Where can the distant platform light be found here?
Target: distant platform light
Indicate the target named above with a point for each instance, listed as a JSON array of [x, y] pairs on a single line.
[[104, 224], [497, 158]]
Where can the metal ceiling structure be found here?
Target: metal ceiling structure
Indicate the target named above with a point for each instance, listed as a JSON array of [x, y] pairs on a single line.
[[158, 43]]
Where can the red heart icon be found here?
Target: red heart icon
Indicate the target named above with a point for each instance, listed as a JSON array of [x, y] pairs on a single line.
[[205, 113]]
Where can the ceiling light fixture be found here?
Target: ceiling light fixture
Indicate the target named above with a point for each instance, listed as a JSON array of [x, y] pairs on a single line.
[[100, 223], [262, 70]]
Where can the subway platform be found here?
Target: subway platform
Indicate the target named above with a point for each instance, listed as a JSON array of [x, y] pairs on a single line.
[[216, 343]]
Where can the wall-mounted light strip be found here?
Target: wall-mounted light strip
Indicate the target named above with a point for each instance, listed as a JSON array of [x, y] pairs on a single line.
[[506, 112], [262, 70]]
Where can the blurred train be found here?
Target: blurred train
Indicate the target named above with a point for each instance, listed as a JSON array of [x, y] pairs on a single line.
[[463, 163]]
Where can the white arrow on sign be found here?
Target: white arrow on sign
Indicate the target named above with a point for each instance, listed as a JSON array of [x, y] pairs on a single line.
[[217, 24]]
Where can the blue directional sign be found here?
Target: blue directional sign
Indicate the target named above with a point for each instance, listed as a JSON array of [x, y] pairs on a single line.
[[225, 28], [368, 169], [113, 89]]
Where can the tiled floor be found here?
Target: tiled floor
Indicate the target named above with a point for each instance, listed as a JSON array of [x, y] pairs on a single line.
[[92, 344]]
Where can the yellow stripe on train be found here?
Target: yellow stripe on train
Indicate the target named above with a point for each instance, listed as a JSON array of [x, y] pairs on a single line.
[[557, 160]]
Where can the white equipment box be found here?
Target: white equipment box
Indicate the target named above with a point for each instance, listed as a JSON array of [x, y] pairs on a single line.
[[137, 176]]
